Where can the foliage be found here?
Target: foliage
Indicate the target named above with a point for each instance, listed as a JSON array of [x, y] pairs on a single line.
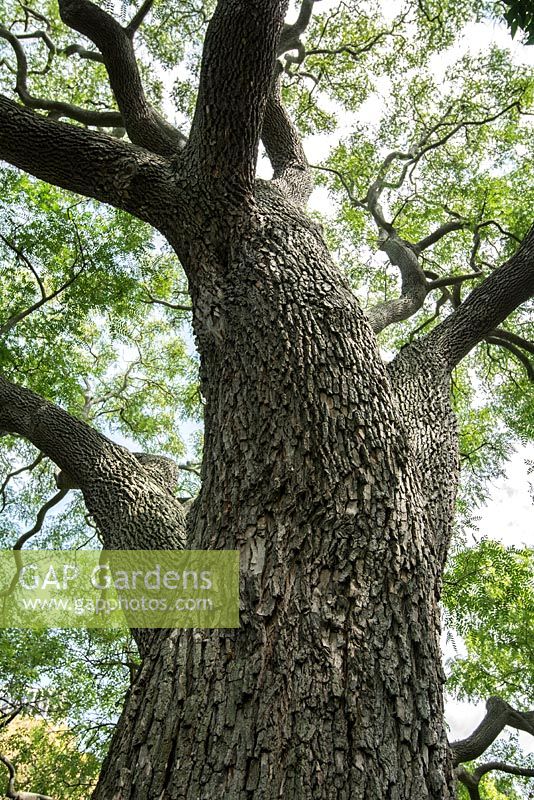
[[47, 758], [519, 14], [489, 602]]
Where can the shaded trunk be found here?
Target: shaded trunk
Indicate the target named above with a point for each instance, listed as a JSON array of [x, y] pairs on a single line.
[[321, 466]]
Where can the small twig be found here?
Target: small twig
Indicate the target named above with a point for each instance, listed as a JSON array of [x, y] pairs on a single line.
[[21, 541], [12, 793]]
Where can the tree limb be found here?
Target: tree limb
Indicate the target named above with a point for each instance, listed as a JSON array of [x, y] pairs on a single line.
[[84, 161], [439, 233], [10, 323], [282, 141], [21, 541], [501, 766], [235, 80], [452, 280], [471, 780], [487, 306], [127, 496], [283, 145], [12, 794], [166, 303], [516, 351], [83, 52], [57, 109], [289, 40], [138, 18], [14, 473], [513, 338], [143, 124], [498, 715], [414, 288]]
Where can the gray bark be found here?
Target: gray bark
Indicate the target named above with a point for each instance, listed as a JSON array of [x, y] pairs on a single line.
[[332, 686]]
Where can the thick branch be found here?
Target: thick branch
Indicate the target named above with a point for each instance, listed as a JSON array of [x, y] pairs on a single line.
[[284, 149], [139, 16], [487, 305], [452, 280], [236, 78], [128, 497], [290, 38], [143, 124], [498, 715], [93, 164], [414, 287], [282, 142]]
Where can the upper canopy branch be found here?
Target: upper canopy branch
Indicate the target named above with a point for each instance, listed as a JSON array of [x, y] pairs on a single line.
[[487, 306], [528, 364], [236, 78], [290, 38], [428, 142], [55, 108], [143, 124], [405, 254]]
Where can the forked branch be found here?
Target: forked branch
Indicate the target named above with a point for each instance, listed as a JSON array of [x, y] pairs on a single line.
[[471, 780], [143, 124], [55, 108], [499, 714]]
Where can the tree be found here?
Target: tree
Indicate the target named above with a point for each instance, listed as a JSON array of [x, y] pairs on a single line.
[[332, 470]]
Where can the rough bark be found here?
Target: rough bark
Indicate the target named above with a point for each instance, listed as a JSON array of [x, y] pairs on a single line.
[[284, 149], [332, 686], [487, 305], [237, 71], [93, 164], [130, 501]]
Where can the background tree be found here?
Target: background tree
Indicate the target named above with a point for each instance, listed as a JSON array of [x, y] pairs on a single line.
[[333, 472]]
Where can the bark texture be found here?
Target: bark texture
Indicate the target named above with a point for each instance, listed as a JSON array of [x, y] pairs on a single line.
[[332, 686]]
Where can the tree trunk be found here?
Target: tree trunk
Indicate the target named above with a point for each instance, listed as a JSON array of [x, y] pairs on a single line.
[[315, 468]]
